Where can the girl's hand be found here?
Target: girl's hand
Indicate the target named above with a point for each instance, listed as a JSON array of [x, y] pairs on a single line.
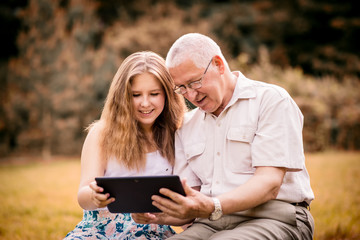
[[158, 218], [145, 218], [98, 198]]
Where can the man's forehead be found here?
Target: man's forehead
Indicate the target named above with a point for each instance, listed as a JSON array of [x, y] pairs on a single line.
[[184, 72]]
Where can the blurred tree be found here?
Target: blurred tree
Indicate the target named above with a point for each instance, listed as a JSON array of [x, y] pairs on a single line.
[[49, 101], [319, 36], [10, 25], [58, 85], [55, 82], [322, 37]]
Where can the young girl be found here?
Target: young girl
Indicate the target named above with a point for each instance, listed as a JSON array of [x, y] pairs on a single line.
[[134, 136]]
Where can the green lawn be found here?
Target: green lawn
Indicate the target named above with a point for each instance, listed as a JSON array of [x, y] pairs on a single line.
[[38, 200]]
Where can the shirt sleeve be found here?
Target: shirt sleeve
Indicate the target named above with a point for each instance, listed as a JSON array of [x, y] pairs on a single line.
[[278, 140], [181, 166]]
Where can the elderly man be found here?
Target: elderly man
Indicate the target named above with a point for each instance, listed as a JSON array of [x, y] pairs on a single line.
[[241, 149]]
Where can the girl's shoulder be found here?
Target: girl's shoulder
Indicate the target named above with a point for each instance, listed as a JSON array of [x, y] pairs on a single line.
[[94, 132], [96, 126]]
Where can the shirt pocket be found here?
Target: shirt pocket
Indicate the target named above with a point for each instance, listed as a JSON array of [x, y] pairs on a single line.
[[238, 145], [193, 157]]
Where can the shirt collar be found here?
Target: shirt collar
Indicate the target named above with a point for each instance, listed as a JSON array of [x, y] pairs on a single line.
[[243, 89]]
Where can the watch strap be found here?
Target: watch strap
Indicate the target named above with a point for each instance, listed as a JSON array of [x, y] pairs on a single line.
[[217, 213]]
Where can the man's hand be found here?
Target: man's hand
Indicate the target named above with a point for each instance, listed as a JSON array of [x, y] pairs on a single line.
[[193, 205]]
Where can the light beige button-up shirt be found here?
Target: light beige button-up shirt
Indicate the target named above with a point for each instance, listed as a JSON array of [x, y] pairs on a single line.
[[260, 126]]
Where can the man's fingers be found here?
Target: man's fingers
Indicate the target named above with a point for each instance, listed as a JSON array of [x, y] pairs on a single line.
[[171, 203], [175, 205], [168, 207], [175, 197]]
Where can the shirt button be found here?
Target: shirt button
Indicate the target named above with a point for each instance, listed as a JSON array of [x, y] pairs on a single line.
[[218, 153]]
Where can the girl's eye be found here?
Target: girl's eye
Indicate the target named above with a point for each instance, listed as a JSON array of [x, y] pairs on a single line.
[[136, 95], [154, 94]]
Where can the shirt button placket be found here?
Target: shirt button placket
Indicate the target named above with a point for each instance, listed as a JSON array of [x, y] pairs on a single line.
[[217, 158]]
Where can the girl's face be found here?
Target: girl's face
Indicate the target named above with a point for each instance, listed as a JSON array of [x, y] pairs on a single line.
[[148, 99]]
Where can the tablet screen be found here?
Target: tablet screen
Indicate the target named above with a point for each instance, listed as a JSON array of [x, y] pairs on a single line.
[[133, 194]]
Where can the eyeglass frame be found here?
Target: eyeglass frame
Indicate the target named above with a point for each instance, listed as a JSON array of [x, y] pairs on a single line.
[[178, 89]]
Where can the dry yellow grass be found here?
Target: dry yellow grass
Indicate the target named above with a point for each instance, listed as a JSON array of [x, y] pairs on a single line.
[[335, 178], [38, 200]]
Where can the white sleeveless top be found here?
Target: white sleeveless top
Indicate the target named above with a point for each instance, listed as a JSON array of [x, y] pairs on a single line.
[[155, 165]]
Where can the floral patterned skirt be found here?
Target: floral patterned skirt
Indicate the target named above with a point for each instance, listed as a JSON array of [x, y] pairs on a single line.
[[101, 224]]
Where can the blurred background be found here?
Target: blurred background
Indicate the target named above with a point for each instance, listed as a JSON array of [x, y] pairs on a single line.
[[58, 57]]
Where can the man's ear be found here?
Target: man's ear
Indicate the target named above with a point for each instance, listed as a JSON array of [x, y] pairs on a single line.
[[219, 63]]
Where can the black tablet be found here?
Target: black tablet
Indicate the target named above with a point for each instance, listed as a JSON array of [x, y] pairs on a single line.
[[133, 194]]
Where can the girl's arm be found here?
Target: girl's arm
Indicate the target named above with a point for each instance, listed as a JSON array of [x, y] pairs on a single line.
[[90, 195]]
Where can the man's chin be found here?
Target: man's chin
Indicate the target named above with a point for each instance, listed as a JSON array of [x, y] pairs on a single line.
[[206, 109]]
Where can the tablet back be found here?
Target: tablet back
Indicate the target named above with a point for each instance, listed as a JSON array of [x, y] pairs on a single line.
[[133, 194]]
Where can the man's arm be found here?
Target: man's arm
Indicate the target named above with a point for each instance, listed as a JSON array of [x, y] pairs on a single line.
[[262, 187]]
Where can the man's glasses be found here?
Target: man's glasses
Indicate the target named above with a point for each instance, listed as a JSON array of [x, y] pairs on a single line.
[[182, 89]]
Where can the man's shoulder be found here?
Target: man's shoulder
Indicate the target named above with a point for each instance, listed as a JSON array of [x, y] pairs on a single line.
[[268, 88]]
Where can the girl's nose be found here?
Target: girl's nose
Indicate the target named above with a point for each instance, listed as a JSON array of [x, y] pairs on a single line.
[[145, 102]]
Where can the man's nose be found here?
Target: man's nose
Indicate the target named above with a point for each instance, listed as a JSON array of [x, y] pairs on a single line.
[[191, 94]]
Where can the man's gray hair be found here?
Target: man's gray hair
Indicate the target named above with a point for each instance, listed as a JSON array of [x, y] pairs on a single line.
[[195, 46]]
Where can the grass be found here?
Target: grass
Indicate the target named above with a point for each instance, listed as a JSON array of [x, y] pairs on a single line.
[[38, 199], [335, 179]]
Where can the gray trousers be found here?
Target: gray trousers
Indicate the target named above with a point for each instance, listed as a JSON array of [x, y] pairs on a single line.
[[272, 220]]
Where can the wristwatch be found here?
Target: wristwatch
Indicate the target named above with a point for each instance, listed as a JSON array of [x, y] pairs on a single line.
[[217, 213]]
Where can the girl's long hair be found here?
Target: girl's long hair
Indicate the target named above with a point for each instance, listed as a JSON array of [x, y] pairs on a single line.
[[121, 136]]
